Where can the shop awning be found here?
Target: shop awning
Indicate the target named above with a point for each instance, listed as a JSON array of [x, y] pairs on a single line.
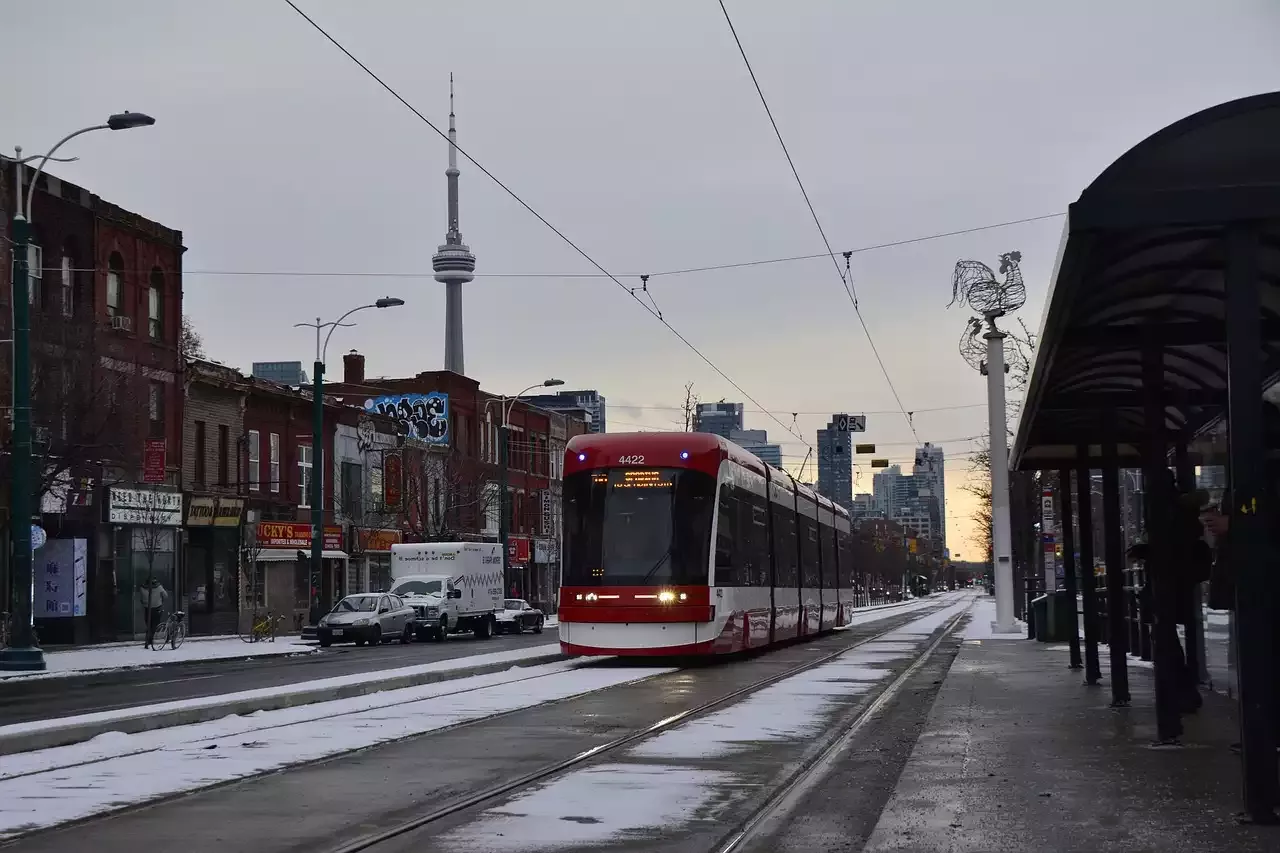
[[289, 555]]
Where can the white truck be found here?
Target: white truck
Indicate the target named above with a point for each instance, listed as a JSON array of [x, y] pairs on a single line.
[[452, 587]]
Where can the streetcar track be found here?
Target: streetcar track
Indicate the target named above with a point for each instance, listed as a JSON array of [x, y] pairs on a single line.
[[230, 735], [493, 792], [784, 799]]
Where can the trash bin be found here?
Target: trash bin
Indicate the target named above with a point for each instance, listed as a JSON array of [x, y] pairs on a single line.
[[1053, 614], [1040, 618]]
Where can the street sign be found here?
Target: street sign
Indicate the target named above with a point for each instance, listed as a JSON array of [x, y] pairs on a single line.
[[879, 463], [850, 423], [864, 448]]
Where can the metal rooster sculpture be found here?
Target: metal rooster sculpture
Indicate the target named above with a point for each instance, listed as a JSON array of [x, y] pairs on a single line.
[[974, 284]]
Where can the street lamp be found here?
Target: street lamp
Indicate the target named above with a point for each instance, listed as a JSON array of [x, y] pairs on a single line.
[[507, 404], [317, 443], [22, 653]]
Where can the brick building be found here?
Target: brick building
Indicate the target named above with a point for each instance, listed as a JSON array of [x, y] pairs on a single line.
[[106, 319], [453, 494]]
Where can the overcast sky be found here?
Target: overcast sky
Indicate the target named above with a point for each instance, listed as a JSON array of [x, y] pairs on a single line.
[[634, 128]]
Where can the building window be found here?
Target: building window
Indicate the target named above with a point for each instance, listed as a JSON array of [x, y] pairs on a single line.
[[273, 461], [115, 283], [224, 441], [199, 454], [155, 306], [68, 286], [156, 409], [304, 475], [352, 491], [255, 460]]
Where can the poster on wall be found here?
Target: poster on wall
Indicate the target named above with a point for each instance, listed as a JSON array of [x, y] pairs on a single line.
[[60, 579]]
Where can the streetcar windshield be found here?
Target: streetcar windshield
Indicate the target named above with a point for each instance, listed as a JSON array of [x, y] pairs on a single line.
[[637, 527]]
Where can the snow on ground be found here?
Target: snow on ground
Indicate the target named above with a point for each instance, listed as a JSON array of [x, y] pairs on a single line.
[[134, 656], [610, 802], [513, 656], [186, 758], [631, 800], [980, 623]]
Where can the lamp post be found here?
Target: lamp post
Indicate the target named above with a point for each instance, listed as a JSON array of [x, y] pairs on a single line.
[[317, 450], [22, 652], [503, 526]]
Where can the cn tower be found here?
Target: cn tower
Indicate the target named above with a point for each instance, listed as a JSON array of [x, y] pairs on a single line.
[[453, 262]]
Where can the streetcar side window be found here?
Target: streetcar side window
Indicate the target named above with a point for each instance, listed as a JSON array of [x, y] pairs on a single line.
[[758, 539], [844, 554], [742, 538], [807, 531], [784, 544], [826, 550], [726, 536]]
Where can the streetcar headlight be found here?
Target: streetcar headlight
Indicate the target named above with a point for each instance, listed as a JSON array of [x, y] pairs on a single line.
[[666, 596], [684, 454], [683, 596], [591, 596], [579, 596], [582, 457]]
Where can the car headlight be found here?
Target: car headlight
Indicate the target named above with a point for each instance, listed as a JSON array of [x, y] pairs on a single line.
[[324, 621], [360, 622]]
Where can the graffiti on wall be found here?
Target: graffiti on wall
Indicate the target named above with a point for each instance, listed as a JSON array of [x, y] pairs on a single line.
[[425, 416]]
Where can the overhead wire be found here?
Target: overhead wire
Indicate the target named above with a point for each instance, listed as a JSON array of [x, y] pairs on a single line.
[[846, 281], [651, 310]]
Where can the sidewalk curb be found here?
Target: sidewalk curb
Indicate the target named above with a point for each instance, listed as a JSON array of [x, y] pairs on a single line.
[[151, 717]]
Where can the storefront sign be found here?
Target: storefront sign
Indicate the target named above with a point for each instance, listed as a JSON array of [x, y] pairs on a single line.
[[545, 552], [548, 513], [59, 569], [294, 534], [227, 513], [153, 460], [392, 480], [518, 551], [200, 512], [377, 541], [145, 506]]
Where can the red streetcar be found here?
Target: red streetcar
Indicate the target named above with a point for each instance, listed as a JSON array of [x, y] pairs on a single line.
[[686, 544]]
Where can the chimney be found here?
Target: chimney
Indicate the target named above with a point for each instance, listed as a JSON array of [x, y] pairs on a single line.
[[353, 368]]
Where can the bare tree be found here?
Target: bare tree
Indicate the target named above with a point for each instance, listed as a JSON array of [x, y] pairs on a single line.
[[448, 496], [690, 407], [154, 534], [90, 411], [190, 343]]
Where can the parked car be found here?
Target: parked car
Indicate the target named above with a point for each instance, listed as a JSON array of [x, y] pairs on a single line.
[[367, 617], [517, 615]]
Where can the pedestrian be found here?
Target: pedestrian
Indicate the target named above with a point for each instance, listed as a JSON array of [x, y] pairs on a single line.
[[152, 596]]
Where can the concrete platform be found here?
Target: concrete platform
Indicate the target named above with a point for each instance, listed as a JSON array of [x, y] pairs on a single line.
[[1018, 755]]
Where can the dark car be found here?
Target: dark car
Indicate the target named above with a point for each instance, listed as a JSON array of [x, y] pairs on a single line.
[[517, 616]]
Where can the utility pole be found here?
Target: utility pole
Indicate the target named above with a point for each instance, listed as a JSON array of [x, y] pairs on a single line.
[[325, 604]]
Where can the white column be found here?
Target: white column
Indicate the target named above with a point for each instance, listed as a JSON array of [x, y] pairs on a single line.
[[1000, 535]]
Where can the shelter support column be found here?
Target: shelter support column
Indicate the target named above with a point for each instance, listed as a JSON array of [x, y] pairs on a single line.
[[1069, 566], [1162, 556], [1117, 636], [1196, 661], [1250, 514], [1088, 590]]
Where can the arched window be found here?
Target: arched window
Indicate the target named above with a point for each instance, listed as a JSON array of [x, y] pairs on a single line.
[[155, 305], [115, 285]]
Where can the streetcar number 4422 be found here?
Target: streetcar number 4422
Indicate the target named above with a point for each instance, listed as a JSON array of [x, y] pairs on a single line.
[[630, 460]]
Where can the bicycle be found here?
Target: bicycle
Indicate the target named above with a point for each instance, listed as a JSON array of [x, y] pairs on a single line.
[[261, 628], [172, 632]]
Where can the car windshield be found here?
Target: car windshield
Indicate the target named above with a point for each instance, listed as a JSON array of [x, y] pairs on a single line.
[[513, 604], [418, 588], [357, 604]]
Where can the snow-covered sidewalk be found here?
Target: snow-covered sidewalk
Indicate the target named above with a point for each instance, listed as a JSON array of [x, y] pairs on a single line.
[[134, 656]]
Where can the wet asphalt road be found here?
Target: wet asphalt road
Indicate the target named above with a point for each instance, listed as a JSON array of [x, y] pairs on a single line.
[[48, 698], [314, 807]]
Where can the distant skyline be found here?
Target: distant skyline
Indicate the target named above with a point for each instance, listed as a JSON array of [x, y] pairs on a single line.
[[303, 188]]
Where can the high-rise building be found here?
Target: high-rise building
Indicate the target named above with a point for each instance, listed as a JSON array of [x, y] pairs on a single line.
[[931, 483], [757, 442], [281, 372], [591, 403], [863, 506], [835, 464], [718, 418], [453, 262]]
